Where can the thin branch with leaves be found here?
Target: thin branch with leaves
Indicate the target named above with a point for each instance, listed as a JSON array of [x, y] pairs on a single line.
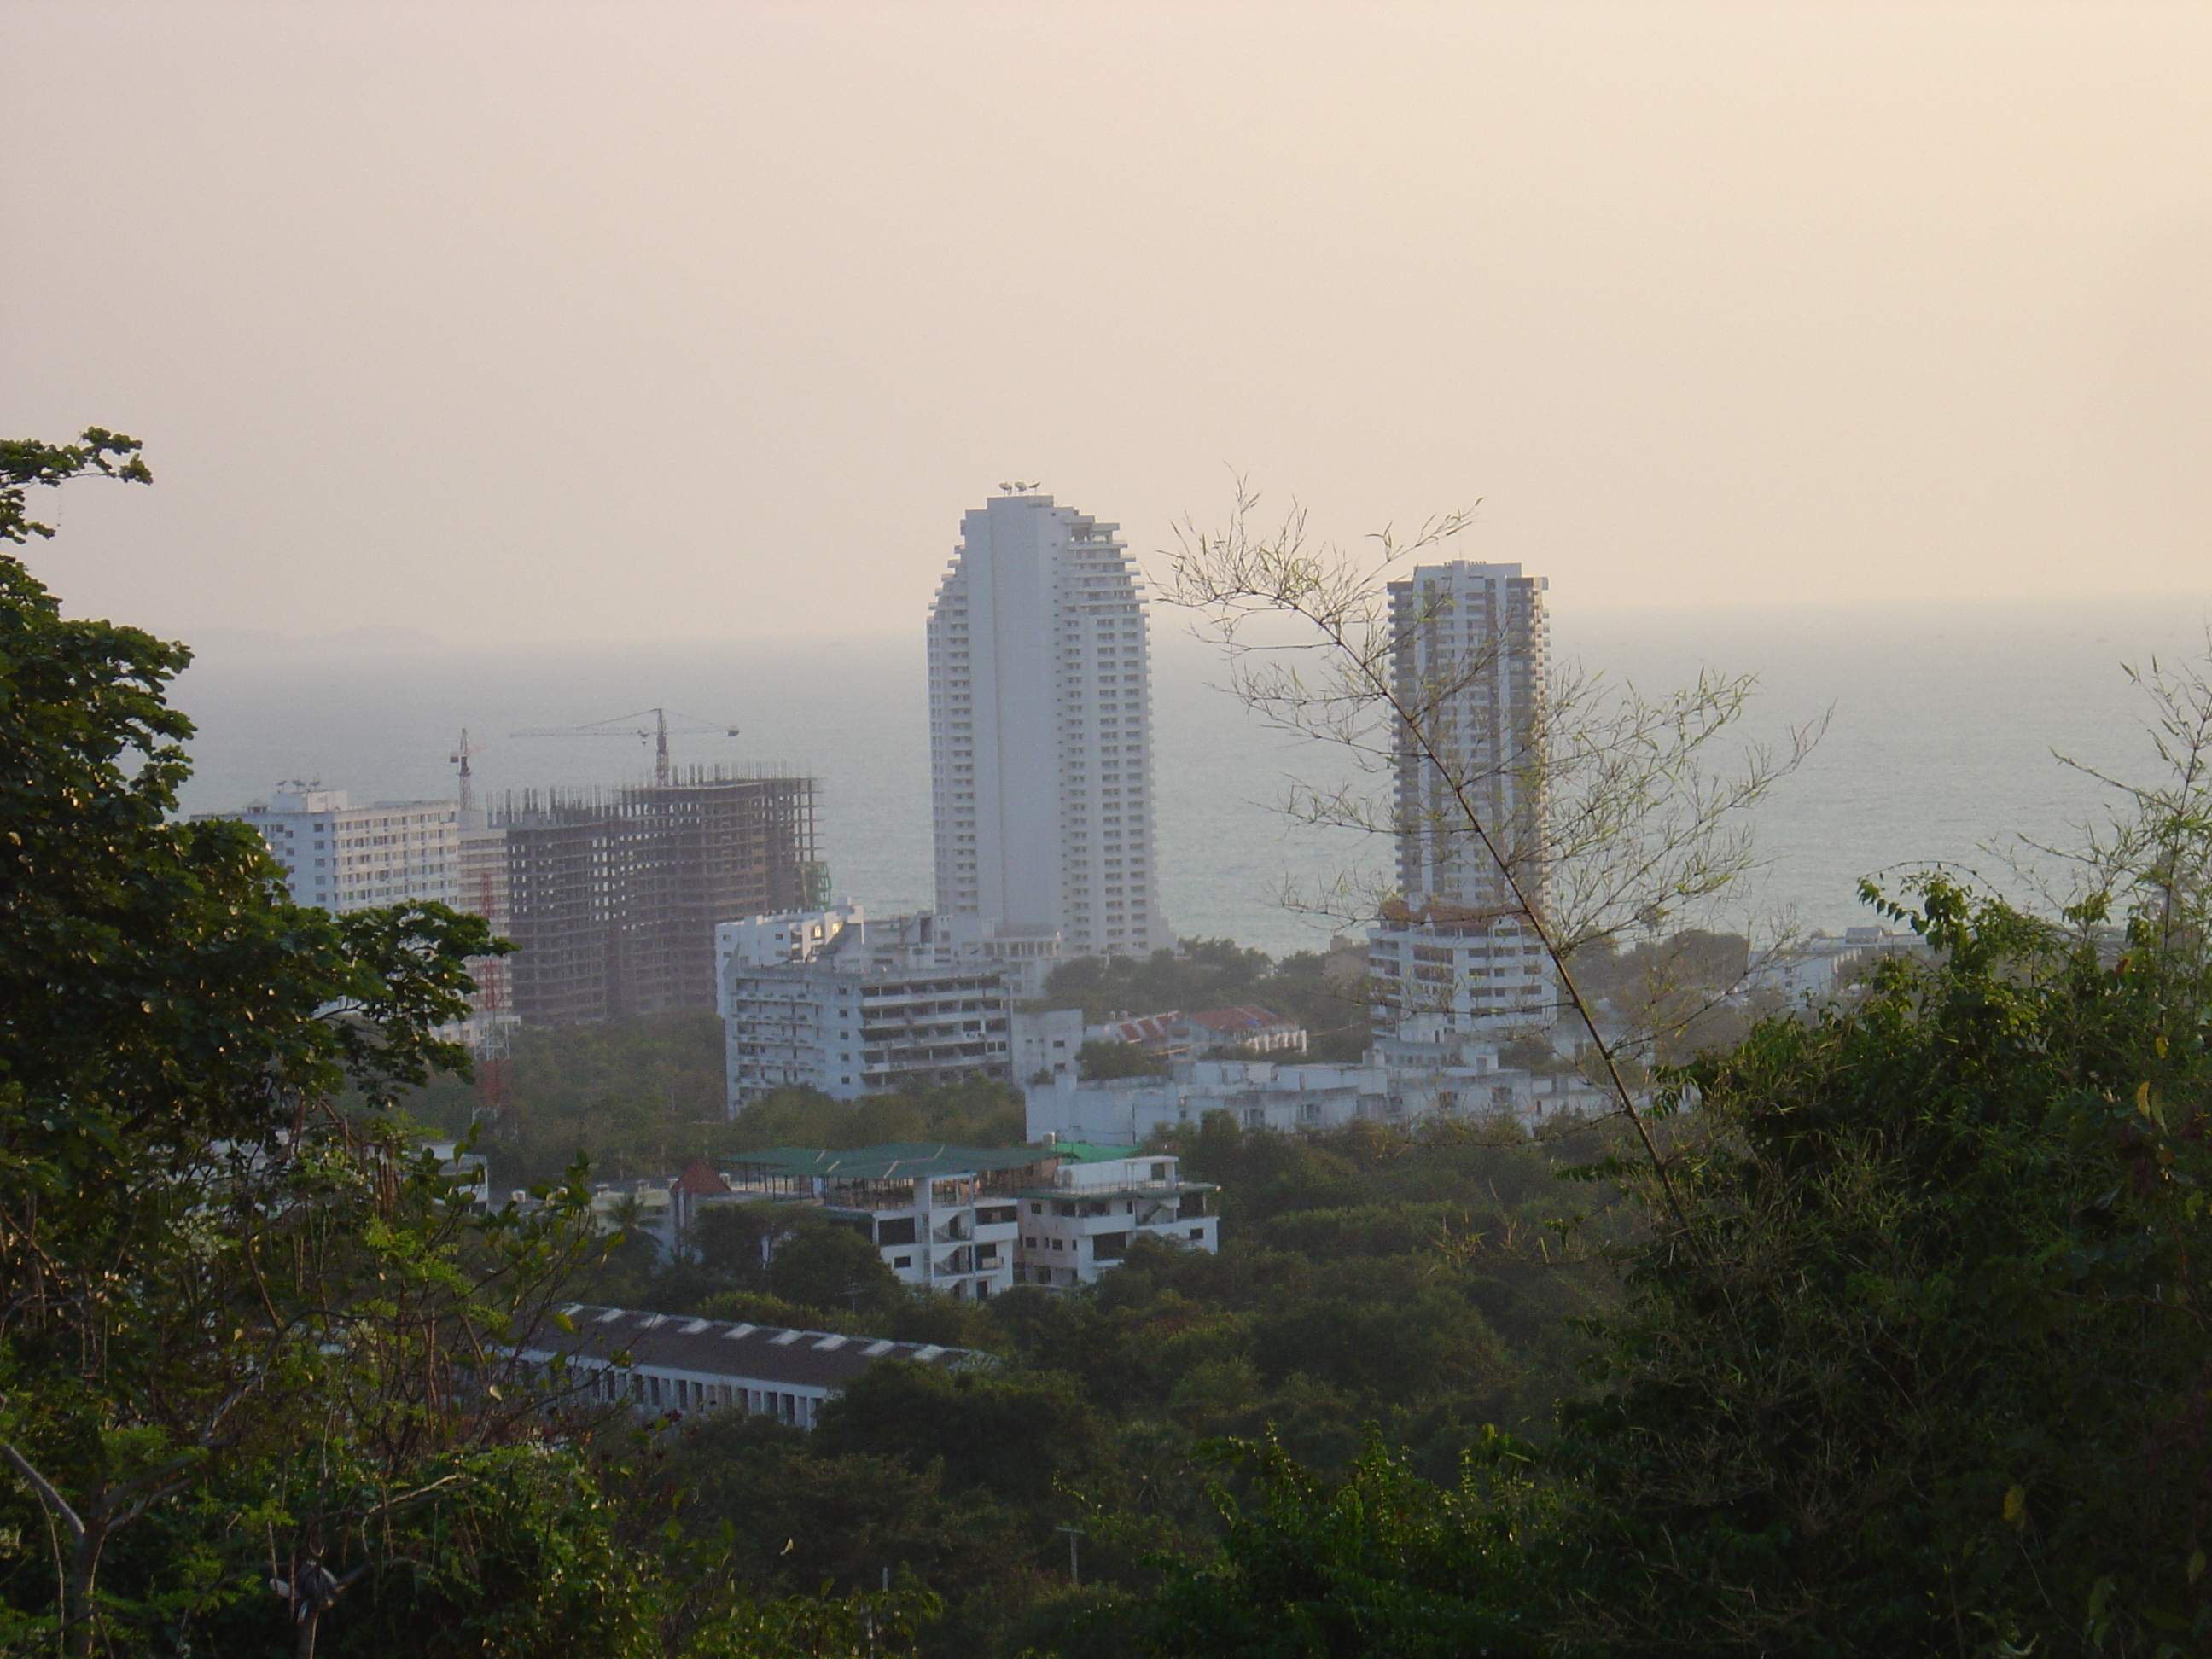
[[1636, 825]]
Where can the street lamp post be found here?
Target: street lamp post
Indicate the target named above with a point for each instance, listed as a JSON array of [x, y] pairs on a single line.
[[1074, 1569]]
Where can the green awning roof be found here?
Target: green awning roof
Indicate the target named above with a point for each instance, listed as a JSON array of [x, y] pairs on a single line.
[[1089, 1151]]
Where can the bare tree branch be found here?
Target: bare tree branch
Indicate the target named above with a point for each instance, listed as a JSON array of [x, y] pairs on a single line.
[[1638, 825]]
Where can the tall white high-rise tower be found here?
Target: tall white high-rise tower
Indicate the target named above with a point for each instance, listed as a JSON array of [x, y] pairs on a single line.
[[1040, 730]]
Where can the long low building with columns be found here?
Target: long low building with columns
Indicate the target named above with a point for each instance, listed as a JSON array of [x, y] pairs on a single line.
[[663, 1362]]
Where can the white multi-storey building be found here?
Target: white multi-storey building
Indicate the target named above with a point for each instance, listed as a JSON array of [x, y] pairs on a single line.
[[343, 858], [971, 1224], [340, 857], [1102, 1200], [1402, 1083], [920, 940], [829, 1000], [1039, 724], [1470, 653], [945, 1219]]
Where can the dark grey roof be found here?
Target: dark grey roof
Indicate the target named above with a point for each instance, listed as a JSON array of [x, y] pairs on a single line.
[[720, 1348]]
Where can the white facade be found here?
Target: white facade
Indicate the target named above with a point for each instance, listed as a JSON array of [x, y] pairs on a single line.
[[947, 1235], [943, 1218], [1442, 1081], [1470, 645], [1488, 977], [829, 1001], [344, 858], [922, 940], [1125, 1111], [1083, 1225], [1040, 720], [1047, 1045]]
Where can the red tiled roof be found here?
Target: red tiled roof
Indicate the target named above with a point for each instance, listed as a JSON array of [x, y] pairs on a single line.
[[700, 1181], [1152, 1028], [1248, 1018]]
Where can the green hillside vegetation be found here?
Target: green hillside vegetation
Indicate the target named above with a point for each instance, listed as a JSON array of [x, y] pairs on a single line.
[[643, 1097], [1365, 1285], [259, 1389], [1892, 1340]]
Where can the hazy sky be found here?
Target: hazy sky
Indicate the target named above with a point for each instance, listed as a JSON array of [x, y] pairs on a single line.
[[638, 320]]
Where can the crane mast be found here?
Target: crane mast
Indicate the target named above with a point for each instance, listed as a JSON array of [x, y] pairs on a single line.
[[462, 751]]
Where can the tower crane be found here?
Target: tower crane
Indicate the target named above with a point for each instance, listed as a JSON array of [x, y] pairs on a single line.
[[625, 726], [459, 757]]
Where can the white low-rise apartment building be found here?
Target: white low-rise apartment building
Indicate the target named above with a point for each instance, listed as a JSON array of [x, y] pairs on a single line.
[[1260, 1095], [943, 1218], [1099, 1202], [831, 1001], [665, 1363], [921, 939], [1127, 1111], [972, 1224]]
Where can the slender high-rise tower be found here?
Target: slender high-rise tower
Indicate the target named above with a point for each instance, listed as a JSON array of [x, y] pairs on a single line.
[[1469, 656], [1040, 730], [1470, 643]]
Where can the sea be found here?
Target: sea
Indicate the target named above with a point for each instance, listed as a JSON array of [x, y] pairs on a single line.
[[1945, 721]]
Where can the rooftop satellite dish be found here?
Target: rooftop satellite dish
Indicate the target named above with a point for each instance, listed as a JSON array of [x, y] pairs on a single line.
[[1018, 487]]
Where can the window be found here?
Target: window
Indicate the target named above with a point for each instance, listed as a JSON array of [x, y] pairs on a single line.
[[902, 1261], [1037, 1209], [1109, 1247], [1058, 1244], [1159, 1172], [1028, 1243], [899, 1232], [1197, 1232]]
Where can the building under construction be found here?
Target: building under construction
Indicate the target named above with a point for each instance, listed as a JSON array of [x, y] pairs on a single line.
[[612, 895]]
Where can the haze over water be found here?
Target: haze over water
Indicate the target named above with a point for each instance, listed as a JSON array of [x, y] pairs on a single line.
[[1945, 718], [599, 335]]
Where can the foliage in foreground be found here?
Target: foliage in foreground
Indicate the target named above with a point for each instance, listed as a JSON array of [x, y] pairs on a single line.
[[258, 1377], [1913, 1358]]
